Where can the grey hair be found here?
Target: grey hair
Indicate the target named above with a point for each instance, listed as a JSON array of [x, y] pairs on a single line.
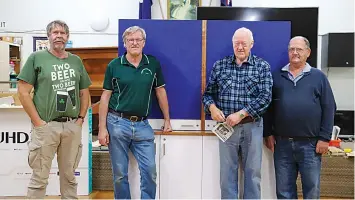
[[131, 30], [304, 39], [55, 23], [246, 30]]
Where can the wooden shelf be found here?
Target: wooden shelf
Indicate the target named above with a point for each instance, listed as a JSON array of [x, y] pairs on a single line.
[[95, 60]]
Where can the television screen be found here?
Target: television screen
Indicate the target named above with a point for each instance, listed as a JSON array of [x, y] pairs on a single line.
[[304, 21], [345, 120]]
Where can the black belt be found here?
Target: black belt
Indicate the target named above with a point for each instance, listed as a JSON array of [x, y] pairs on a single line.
[[299, 138], [64, 119], [132, 118]]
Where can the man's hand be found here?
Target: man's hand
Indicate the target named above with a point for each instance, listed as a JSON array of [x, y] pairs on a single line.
[[39, 123], [79, 122], [270, 142], [234, 119], [104, 137], [322, 147], [167, 126], [217, 114]]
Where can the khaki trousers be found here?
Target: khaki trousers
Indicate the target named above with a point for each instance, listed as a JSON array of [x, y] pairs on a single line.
[[63, 138]]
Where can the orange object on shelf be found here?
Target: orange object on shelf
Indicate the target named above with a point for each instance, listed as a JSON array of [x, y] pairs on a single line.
[[335, 143]]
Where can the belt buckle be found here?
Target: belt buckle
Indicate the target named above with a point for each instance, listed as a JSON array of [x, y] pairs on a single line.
[[133, 118]]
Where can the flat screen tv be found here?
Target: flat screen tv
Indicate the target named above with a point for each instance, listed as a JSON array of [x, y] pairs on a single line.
[[304, 21]]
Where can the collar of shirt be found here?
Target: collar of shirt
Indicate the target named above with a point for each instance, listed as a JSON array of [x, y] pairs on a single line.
[[307, 68], [250, 60], [144, 60]]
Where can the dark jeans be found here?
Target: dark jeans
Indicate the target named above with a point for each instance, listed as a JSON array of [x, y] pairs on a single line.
[[293, 156]]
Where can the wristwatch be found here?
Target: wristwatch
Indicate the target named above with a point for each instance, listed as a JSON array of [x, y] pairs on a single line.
[[241, 115], [81, 117]]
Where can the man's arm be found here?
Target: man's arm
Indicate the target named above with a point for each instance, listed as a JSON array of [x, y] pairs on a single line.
[[103, 109], [163, 101], [257, 107], [210, 93], [24, 90], [328, 106], [84, 101]]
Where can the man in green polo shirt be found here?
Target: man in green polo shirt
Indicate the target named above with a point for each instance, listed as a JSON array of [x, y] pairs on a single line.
[[125, 104], [57, 110]]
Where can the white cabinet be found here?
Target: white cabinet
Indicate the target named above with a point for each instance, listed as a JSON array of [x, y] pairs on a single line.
[[210, 169], [211, 176], [134, 174], [268, 180], [188, 168], [180, 167]]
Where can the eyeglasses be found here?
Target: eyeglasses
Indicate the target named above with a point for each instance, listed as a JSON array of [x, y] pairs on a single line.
[[131, 41], [293, 49], [237, 44]]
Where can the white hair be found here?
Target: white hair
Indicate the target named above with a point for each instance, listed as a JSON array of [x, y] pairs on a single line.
[[308, 45], [245, 30], [131, 30]]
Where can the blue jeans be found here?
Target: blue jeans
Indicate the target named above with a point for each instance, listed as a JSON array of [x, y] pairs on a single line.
[[138, 137], [293, 156], [246, 142]]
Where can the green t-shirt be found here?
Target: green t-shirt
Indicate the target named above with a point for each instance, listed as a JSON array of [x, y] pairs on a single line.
[[132, 87], [56, 83]]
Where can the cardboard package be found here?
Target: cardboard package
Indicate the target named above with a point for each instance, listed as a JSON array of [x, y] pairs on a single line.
[[6, 97]]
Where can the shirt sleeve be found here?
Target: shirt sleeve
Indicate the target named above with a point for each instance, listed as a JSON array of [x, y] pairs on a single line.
[[258, 107], [211, 90], [28, 71], [328, 106], [108, 78], [85, 81], [159, 79]]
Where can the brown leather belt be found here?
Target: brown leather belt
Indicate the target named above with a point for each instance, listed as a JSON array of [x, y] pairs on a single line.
[[132, 118], [247, 120]]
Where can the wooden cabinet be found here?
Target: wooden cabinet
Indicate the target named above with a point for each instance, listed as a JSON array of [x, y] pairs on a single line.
[[95, 60]]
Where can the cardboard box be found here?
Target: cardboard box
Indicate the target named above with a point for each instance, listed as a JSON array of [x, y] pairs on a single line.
[[14, 96]]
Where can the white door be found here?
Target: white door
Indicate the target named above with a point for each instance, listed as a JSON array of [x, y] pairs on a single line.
[[134, 173], [4, 65], [181, 167], [210, 170], [268, 180]]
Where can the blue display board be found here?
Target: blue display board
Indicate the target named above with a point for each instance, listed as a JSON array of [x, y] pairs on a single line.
[[177, 45], [271, 39]]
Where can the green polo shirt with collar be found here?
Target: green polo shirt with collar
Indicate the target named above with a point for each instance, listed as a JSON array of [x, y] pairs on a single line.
[[132, 87]]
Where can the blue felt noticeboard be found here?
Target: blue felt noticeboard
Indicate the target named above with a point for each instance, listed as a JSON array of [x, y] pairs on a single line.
[[177, 45], [271, 39]]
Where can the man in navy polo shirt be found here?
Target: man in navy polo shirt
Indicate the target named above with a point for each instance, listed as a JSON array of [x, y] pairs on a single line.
[[299, 122]]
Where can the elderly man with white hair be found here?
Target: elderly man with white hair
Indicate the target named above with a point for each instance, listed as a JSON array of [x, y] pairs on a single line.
[[238, 92]]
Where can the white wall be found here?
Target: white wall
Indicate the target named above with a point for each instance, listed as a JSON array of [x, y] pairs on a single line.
[[29, 18], [342, 82]]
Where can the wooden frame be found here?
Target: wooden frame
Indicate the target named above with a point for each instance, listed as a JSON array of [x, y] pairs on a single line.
[[180, 9]]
